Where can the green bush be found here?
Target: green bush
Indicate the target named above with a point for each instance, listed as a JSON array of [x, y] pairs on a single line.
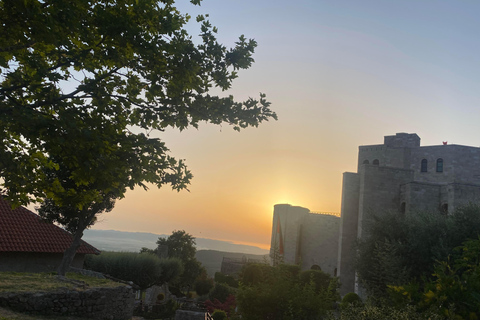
[[350, 298], [202, 286], [219, 315], [284, 293], [143, 269], [398, 249], [223, 278], [254, 273], [220, 292], [318, 277]]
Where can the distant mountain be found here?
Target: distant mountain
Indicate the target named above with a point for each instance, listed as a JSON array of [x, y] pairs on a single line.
[[212, 259], [112, 240]]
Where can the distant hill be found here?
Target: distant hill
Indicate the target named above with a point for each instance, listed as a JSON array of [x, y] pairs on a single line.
[[212, 259], [112, 240]]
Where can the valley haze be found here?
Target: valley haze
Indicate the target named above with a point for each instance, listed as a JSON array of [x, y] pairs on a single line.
[[113, 240]]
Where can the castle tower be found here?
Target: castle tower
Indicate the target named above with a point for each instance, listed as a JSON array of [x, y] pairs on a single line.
[[286, 233], [402, 176]]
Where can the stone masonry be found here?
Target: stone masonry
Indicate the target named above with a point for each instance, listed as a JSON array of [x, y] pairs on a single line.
[[305, 238], [398, 175], [99, 303], [402, 176]]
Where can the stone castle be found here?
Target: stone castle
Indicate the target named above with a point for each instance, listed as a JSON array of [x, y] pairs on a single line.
[[398, 175]]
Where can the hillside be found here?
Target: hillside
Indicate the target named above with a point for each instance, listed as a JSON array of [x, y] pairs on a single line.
[[212, 259]]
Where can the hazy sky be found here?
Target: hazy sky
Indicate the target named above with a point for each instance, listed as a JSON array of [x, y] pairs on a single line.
[[339, 74]]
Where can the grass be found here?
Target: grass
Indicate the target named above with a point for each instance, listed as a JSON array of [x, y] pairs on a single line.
[[31, 282], [23, 282]]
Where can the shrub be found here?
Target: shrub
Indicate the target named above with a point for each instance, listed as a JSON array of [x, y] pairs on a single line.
[[318, 277], [143, 269], [228, 306], [350, 298], [219, 315], [203, 286], [283, 293], [223, 278], [398, 249], [220, 292]]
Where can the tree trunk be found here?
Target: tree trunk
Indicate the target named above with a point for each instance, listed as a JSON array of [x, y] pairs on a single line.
[[69, 254]]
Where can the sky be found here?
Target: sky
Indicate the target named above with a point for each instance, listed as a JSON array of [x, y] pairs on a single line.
[[339, 74]]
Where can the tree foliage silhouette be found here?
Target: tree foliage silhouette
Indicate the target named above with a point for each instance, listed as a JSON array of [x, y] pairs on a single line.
[[83, 84]]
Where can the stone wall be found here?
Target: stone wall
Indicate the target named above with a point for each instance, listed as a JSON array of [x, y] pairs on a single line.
[[288, 232], [319, 242], [348, 231], [98, 303]]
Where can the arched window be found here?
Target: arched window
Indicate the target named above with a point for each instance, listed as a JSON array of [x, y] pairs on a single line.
[[444, 208], [439, 165], [315, 267], [376, 162], [365, 162], [424, 165]]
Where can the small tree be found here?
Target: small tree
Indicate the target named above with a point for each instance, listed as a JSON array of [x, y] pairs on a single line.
[[181, 245], [203, 284]]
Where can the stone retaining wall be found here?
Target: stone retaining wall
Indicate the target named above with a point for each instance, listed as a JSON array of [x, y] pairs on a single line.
[[98, 303]]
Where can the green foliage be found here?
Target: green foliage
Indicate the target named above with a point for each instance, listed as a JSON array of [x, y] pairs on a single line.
[[203, 284], [320, 279], [284, 293], [82, 86], [253, 273], [220, 292], [227, 279], [181, 245], [350, 298], [163, 311], [400, 249], [454, 290], [219, 315], [145, 270], [369, 312]]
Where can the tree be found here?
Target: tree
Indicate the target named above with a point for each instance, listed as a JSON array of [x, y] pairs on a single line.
[[203, 284], [181, 245], [400, 249], [84, 82]]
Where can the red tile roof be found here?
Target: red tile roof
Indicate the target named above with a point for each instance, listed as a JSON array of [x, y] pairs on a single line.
[[24, 231]]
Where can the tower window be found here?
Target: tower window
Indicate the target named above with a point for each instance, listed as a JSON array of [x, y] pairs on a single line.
[[444, 208], [365, 162], [402, 208], [424, 165], [439, 165], [376, 162]]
